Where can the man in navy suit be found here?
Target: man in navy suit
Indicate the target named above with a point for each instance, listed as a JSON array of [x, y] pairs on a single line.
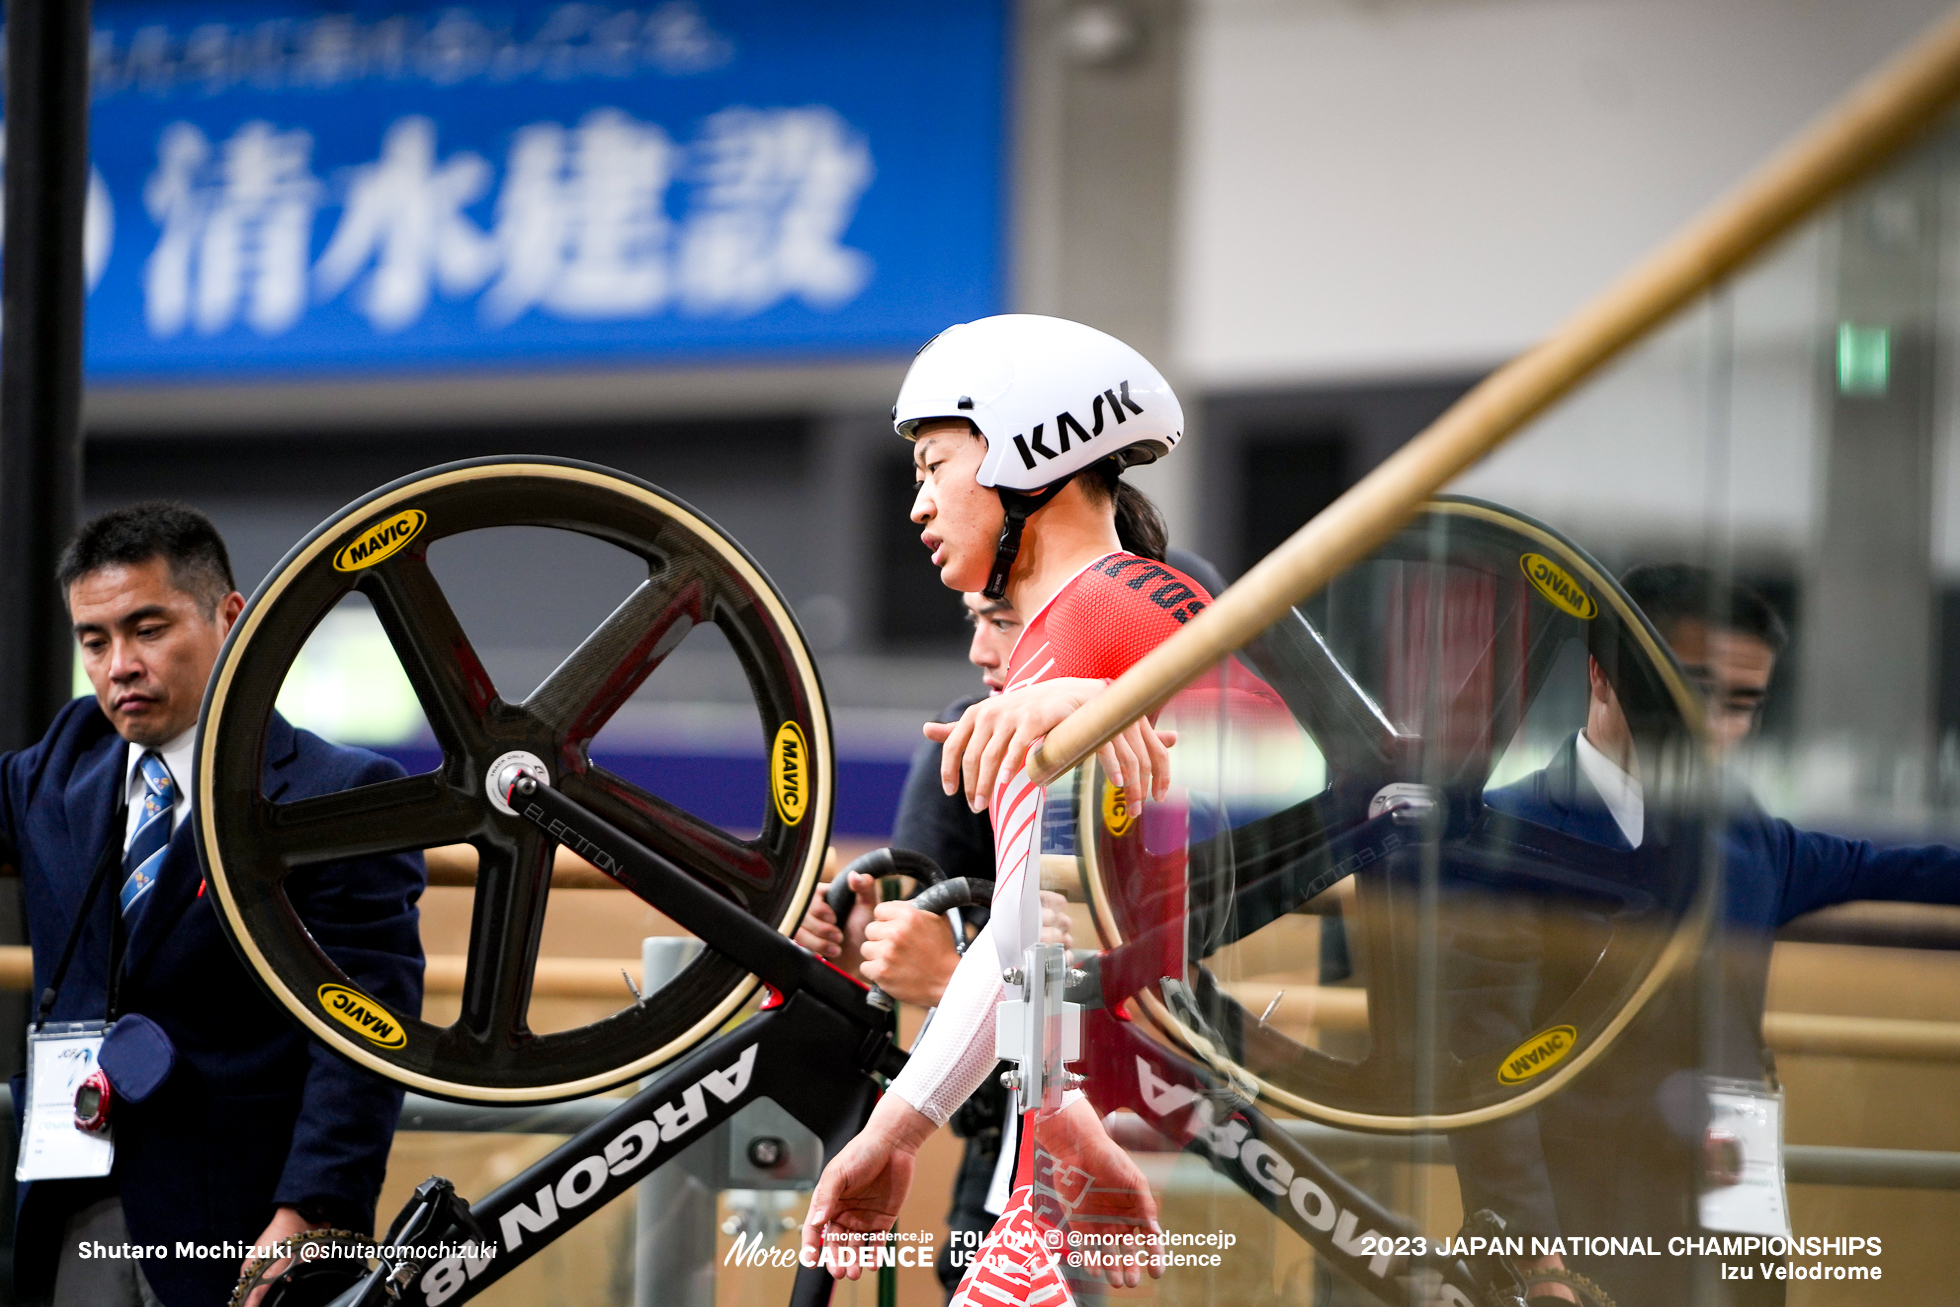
[[1623, 1150], [258, 1133]]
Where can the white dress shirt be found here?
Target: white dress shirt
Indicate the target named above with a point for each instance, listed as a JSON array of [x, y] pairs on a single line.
[[1624, 798], [177, 759]]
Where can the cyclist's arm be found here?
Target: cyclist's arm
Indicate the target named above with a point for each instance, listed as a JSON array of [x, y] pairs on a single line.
[[954, 1056], [992, 738]]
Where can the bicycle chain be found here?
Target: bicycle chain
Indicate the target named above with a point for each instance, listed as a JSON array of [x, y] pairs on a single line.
[[1589, 1293], [334, 1243]]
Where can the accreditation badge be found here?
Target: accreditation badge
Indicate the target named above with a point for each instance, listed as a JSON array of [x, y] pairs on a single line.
[[1743, 1190], [60, 1056]]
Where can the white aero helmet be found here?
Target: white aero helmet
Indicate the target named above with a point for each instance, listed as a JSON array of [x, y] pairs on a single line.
[[1050, 397]]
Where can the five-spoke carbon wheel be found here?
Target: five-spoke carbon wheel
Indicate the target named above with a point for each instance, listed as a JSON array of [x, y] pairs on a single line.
[[378, 546], [1492, 956]]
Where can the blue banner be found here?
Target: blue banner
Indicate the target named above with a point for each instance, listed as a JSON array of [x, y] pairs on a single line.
[[279, 189]]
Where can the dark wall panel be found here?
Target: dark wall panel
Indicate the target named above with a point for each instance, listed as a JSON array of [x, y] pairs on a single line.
[[266, 493], [1274, 458]]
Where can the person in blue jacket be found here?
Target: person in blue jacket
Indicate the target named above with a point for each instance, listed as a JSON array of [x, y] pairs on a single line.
[[258, 1132], [1623, 1150]]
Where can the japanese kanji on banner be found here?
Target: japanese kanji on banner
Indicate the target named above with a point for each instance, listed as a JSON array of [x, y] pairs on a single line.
[[299, 189]]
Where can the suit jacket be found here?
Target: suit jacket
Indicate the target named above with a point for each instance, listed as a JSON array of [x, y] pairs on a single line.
[[256, 1114], [1616, 1152]]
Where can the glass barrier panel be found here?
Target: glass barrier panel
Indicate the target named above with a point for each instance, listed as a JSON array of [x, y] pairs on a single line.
[[1511, 919]]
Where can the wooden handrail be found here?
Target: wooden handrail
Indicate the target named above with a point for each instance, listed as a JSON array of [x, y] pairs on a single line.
[[554, 978], [1323, 1007], [454, 865], [442, 974], [1879, 925], [1860, 133], [1798, 1033], [1331, 1008]]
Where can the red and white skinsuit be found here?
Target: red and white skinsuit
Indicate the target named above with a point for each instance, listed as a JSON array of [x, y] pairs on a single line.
[[1109, 615]]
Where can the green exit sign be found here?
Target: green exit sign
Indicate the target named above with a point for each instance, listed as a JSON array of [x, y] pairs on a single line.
[[1864, 359]]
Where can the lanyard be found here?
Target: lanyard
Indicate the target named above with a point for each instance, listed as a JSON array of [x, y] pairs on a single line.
[[110, 860]]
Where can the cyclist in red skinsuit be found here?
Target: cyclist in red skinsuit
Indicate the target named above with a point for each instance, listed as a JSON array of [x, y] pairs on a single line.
[[1092, 628], [1021, 426]]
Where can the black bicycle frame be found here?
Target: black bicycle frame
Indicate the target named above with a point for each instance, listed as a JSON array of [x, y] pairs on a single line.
[[1189, 1105], [814, 1050], [788, 1054]]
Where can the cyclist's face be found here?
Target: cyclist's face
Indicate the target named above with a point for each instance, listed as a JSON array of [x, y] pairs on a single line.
[[996, 626], [1733, 671], [962, 518]]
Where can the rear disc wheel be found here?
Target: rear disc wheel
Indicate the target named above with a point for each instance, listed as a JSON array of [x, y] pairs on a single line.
[[252, 847]]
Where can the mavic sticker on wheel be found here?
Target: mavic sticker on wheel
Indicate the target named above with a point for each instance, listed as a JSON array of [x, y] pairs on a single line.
[[1117, 814], [380, 541], [1538, 1054], [1557, 585], [362, 1015], [789, 773]]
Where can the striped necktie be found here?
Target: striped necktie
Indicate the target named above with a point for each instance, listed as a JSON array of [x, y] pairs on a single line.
[[144, 856]]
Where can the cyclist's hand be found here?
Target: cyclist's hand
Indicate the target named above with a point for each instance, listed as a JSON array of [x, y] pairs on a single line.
[[909, 954], [1117, 1196], [286, 1223], [863, 1187], [992, 738], [821, 933], [1138, 759], [1055, 920]]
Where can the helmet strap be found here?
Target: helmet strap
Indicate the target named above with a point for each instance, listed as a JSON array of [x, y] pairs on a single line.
[[1019, 504]]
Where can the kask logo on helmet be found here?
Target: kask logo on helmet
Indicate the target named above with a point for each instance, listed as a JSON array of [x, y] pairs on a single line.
[[1118, 399]]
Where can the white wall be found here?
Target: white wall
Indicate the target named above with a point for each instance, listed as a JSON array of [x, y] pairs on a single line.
[[1705, 435], [1406, 186]]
